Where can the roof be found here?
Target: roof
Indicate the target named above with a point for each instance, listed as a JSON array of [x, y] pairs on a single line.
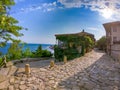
[[112, 23], [107, 26], [79, 34]]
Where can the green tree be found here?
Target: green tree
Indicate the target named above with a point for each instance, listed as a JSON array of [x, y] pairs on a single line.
[[89, 43], [46, 53], [38, 52], [15, 51], [83, 48], [27, 52], [8, 27], [101, 43]]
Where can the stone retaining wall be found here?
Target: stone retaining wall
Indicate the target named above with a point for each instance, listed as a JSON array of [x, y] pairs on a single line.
[[29, 60], [115, 55]]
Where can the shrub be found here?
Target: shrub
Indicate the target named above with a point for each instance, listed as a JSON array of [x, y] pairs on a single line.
[[38, 52], [70, 46], [27, 53], [58, 53], [15, 51], [46, 53], [83, 49], [71, 53], [1, 54], [41, 53], [0, 59], [101, 43]]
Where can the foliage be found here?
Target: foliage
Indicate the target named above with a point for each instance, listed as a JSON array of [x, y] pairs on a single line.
[[71, 53], [8, 25], [83, 49], [58, 53], [71, 43], [38, 52], [41, 53], [27, 53], [101, 43], [0, 60], [15, 51], [0, 53], [9, 29], [46, 53]]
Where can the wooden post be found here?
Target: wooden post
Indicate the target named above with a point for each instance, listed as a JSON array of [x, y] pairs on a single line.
[[4, 61], [52, 64], [27, 69], [65, 59]]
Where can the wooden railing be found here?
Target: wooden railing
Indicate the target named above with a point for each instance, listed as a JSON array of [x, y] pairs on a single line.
[[3, 62]]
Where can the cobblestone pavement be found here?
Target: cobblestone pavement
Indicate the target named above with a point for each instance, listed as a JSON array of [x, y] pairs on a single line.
[[94, 71]]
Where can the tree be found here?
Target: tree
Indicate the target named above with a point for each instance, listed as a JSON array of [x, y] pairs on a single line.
[[27, 53], [73, 46], [46, 53], [15, 51], [38, 52], [8, 27], [89, 43], [101, 43]]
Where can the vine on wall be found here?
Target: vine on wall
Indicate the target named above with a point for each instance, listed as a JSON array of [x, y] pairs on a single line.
[[71, 46]]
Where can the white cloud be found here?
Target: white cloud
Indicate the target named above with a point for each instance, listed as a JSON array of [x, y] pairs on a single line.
[[109, 9], [45, 7], [106, 8], [93, 28], [50, 9], [98, 32], [19, 1]]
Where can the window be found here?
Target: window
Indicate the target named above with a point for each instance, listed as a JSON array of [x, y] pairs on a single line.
[[114, 39], [115, 29]]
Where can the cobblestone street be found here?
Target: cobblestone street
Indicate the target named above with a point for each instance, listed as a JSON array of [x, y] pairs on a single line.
[[94, 71]]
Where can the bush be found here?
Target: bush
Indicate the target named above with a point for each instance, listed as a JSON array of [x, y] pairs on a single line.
[[41, 53], [83, 49], [1, 54], [101, 43], [27, 53], [58, 53], [71, 53], [46, 53], [38, 52], [15, 51], [0, 59], [70, 45]]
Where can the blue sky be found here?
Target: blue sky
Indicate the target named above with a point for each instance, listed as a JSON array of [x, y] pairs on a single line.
[[45, 18]]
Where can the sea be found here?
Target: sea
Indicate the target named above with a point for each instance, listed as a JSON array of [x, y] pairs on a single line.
[[32, 47]]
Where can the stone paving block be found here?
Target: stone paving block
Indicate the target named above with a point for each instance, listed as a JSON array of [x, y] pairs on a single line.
[[84, 73], [3, 77], [12, 80], [4, 85]]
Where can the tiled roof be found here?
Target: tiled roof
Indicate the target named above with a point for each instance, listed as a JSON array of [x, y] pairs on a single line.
[[112, 23], [79, 34]]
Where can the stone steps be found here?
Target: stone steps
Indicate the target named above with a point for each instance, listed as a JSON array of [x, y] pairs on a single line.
[[5, 75]]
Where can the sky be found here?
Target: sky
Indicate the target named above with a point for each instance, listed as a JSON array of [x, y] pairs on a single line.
[[45, 18]]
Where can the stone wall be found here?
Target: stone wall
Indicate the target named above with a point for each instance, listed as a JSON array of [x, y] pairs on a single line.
[[115, 47], [116, 55], [30, 60]]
